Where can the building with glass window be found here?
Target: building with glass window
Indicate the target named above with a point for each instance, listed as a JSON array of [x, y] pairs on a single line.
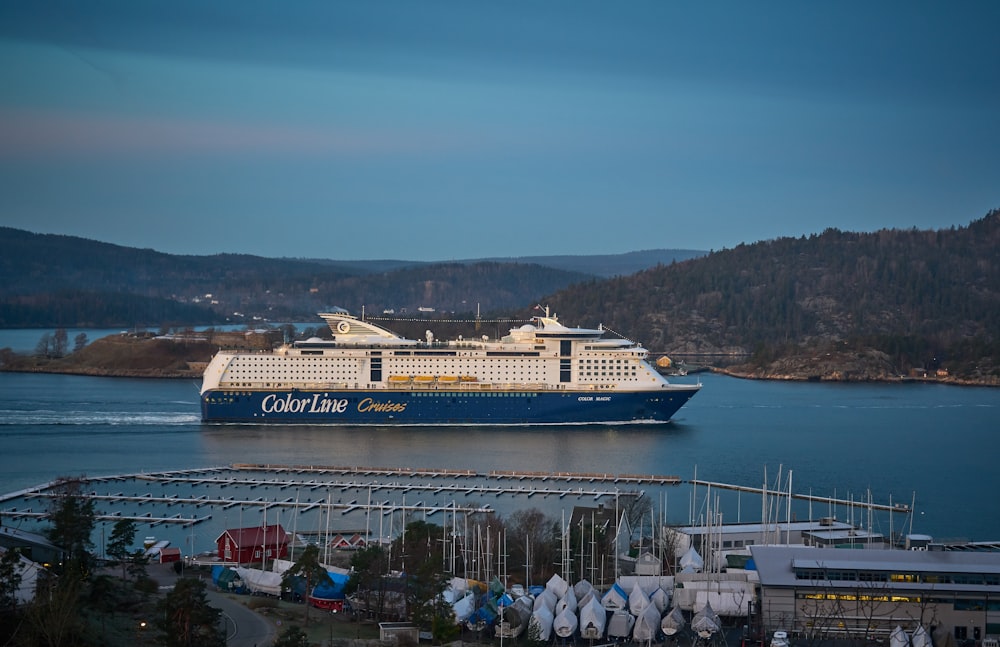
[[818, 593]]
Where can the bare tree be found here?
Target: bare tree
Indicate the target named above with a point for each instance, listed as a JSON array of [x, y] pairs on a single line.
[[60, 342]]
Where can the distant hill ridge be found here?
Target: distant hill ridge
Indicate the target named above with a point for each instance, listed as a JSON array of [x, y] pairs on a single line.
[[54, 280], [833, 305], [600, 265], [926, 299]]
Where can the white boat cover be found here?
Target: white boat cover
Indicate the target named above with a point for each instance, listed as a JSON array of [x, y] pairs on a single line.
[[673, 621], [568, 601], [258, 581], [459, 585], [725, 603], [706, 622], [541, 620], [620, 624], [898, 638], [557, 585], [647, 624], [691, 559], [919, 637], [546, 599], [582, 588], [615, 598], [464, 607], [637, 600], [693, 594], [661, 599], [565, 623], [593, 618]]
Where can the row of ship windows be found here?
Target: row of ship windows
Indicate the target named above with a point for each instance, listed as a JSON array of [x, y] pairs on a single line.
[[277, 362], [229, 398], [314, 371], [272, 364], [251, 374]]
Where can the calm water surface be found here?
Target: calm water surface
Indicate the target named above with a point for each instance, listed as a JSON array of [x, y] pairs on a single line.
[[937, 445]]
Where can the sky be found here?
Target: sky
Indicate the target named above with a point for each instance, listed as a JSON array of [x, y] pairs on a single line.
[[455, 129]]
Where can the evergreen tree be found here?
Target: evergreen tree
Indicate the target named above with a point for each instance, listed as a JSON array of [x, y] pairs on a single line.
[[72, 517], [120, 542], [10, 579], [308, 567], [185, 618]]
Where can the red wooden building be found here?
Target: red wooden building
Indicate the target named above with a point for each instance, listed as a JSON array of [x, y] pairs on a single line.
[[246, 545]]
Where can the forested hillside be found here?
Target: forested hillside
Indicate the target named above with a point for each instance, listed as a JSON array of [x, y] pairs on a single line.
[[873, 304], [66, 281], [918, 296]]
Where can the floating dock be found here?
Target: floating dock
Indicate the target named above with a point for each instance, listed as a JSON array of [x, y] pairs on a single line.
[[212, 496]]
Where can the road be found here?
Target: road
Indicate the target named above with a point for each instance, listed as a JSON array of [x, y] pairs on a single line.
[[244, 628]]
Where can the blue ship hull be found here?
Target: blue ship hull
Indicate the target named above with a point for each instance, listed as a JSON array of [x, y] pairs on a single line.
[[428, 407]]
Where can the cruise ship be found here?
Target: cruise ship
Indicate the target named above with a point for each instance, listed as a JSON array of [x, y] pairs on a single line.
[[541, 373]]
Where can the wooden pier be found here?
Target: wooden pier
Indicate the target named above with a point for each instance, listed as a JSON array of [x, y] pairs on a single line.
[[201, 494], [895, 507]]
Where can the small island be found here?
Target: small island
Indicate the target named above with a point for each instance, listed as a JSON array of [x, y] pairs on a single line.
[[138, 354], [186, 354]]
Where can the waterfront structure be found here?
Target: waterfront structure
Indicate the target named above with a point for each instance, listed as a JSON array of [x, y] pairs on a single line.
[[539, 373], [31, 545], [819, 593], [714, 542], [256, 544]]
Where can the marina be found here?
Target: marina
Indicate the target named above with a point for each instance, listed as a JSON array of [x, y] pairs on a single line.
[[314, 500], [836, 437], [139, 445]]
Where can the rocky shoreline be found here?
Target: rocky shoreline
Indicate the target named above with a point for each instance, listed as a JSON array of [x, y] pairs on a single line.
[[121, 356], [131, 357], [846, 366]]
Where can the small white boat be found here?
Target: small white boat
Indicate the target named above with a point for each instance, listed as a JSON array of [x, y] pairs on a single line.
[[593, 619], [514, 619], [565, 623], [568, 602], [898, 638], [920, 638], [672, 622], [582, 588], [546, 599], [620, 625], [540, 624], [706, 622], [647, 624], [615, 598], [637, 600]]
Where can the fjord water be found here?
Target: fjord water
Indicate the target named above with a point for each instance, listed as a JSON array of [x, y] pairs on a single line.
[[932, 444]]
